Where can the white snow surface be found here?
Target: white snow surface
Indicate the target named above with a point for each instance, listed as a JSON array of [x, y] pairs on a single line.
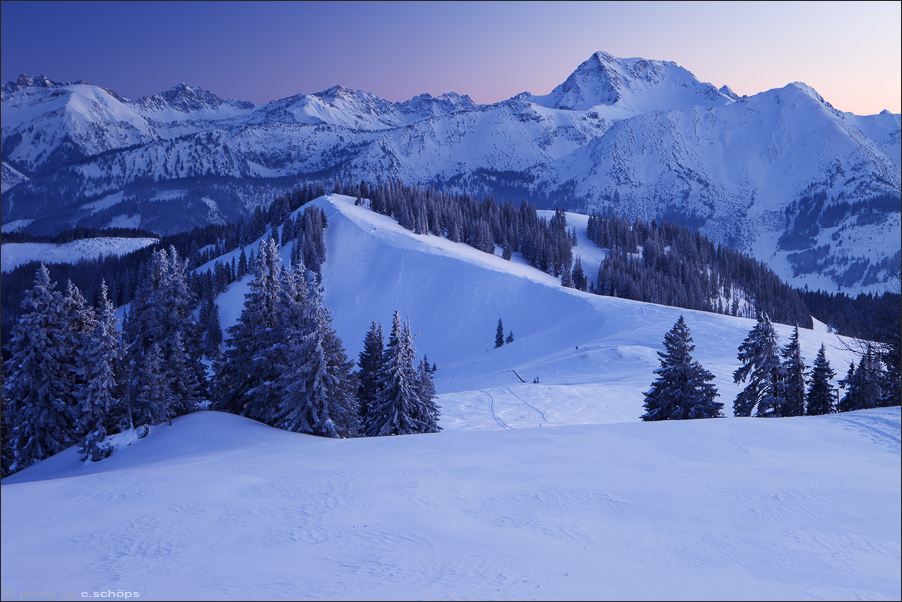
[[532, 491], [16, 254]]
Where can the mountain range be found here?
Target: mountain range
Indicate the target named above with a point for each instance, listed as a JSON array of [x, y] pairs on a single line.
[[812, 191]]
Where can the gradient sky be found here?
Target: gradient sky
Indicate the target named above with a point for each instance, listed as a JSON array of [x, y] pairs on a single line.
[[260, 51]]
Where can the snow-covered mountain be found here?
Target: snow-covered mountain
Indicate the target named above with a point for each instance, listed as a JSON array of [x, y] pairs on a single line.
[[811, 191], [548, 490]]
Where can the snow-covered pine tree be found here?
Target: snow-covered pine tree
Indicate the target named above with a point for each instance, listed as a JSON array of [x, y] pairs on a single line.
[[370, 361], [161, 313], [398, 409], [499, 335], [862, 384], [426, 392], [318, 394], [761, 366], [152, 403], [792, 388], [41, 409], [682, 389], [820, 392], [102, 410], [253, 361]]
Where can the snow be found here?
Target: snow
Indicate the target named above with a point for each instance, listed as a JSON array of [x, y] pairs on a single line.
[[553, 490], [16, 254]]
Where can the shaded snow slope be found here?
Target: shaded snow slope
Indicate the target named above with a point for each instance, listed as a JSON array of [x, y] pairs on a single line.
[[16, 254], [217, 507]]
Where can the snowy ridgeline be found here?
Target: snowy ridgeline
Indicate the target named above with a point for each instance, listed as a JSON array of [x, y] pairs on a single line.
[[804, 507]]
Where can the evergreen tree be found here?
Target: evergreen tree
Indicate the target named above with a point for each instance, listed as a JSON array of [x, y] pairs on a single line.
[[102, 411], [499, 335], [152, 403], [317, 389], [682, 389], [254, 358], [792, 389], [761, 365], [510, 338], [863, 384], [820, 393], [398, 409], [371, 365], [161, 314], [41, 409]]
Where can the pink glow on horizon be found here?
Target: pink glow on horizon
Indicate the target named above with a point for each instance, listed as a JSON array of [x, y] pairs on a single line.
[[848, 52]]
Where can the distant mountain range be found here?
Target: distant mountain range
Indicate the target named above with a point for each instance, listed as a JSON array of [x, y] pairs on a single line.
[[811, 191]]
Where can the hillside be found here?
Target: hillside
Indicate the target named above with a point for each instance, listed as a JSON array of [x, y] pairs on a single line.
[[575, 499]]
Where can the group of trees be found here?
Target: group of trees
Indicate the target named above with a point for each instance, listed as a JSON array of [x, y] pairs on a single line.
[[482, 224], [73, 379], [284, 364], [776, 379], [672, 265]]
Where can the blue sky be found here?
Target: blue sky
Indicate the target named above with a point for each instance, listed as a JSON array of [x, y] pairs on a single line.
[[848, 51]]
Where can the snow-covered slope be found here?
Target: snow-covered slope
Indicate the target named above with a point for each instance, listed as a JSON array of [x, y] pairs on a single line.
[[220, 508], [16, 254], [644, 138], [533, 491]]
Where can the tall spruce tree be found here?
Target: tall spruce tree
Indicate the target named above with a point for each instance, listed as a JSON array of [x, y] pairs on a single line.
[[161, 314], [102, 409], [318, 394], [682, 389], [371, 363], [499, 335], [41, 409], [792, 388], [820, 392], [254, 358], [399, 409], [762, 367]]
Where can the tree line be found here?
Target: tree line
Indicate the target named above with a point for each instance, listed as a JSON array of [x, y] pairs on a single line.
[[778, 383], [73, 379]]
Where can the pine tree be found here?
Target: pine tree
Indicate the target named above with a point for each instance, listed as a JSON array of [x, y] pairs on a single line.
[[820, 393], [161, 314], [399, 410], [254, 358], [102, 411], [863, 384], [792, 389], [152, 403], [318, 394], [682, 389], [761, 365], [41, 409], [499, 335], [371, 362]]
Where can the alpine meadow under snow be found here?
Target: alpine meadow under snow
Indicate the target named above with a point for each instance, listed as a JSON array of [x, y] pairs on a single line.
[[543, 484]]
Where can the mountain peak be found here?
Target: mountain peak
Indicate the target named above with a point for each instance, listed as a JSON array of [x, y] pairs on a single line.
[[634, 85], [185, 98]]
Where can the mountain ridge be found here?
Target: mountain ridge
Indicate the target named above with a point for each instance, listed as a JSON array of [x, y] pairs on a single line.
[[643, 138]]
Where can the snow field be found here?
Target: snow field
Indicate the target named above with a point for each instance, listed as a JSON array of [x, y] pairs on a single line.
[[575, 499], [219, 507]]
